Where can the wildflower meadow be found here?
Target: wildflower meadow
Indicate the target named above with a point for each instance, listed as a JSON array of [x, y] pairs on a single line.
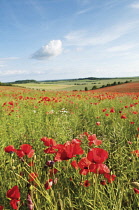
[[68, 150]]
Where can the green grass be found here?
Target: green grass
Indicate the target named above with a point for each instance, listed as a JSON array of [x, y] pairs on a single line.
[[63, 116]]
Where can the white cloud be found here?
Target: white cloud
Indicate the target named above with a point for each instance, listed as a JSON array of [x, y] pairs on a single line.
[[83, 38], [12, 72], [84, 11], [120, 48], [53, 48], [135, 5]]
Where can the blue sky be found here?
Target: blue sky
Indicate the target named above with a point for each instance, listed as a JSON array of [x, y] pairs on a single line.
[[65, 39]]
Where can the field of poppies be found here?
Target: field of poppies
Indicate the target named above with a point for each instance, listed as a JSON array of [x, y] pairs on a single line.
[[68, 150]]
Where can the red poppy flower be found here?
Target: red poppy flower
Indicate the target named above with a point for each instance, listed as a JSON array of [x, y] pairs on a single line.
[[93, 140], [68, 150], [97, 155], [104, 110], [74, 164], [103, 182], [13, 193], [135, 112], [136, 152], [11, 103], [31, 163], [86, 134], [84, 164], [50, 150], [10, 149], [14, 203], [123, 116], [97, 123], [110, 177], [32, 176], [99, 168], [48, 184], [48, 142], [112, 110], [86, 183], [1, 207], [136, 190], [76, 141], [25, 149]]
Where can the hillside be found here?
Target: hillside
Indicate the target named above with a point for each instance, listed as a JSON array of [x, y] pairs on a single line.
[[123, 88]]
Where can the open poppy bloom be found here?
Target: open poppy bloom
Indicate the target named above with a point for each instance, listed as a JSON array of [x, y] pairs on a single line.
[[97, 155], [48, 142], [1, 207], [10, 149], [68, 150], [93, 140], [25, 149], [74, 164], [14, 195], [84, 165], [99, 168]]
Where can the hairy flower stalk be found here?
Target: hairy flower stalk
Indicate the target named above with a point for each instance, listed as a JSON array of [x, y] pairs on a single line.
[[30, 202]]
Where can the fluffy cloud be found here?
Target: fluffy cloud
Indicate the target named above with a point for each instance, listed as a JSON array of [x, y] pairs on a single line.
[[53, 48], [135, 5]]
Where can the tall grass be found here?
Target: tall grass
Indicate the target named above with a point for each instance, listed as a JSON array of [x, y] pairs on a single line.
[[29, 115]]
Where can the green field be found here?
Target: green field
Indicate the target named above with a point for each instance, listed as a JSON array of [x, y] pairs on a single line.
[[70, 85], [65, 150]]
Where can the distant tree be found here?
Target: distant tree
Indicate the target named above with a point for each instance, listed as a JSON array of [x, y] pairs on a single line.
[[102, 86], [94, 87], [86, 88], [114, 83]]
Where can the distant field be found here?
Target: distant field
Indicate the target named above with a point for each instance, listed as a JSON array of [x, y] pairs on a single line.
[[123, 88], [70, 85], [45, 86]]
